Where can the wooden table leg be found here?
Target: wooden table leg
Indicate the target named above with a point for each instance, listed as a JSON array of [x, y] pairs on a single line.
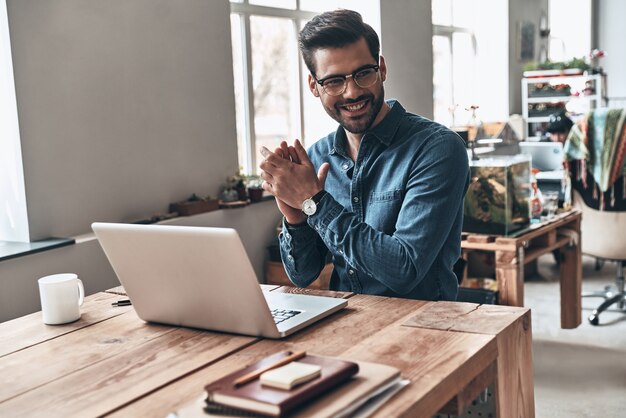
[[510, 277], [571, 277], [514, 383]]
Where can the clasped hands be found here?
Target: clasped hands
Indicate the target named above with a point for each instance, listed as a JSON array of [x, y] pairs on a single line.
[[289, 175]]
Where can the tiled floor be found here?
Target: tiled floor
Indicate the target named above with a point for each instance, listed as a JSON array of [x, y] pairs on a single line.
[[579, 372]]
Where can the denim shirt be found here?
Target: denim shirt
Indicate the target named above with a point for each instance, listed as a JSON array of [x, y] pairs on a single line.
[[391, 220]]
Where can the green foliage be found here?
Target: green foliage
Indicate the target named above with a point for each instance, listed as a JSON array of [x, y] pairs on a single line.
[[579, 63], [195, 198], [238, 180]]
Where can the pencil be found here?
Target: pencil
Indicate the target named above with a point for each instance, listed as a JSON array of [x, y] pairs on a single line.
[[246, 378]]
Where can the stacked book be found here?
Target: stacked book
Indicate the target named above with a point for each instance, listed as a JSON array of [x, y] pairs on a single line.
[[299, 384]]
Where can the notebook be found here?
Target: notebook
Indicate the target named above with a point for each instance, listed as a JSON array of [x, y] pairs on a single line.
[[360, 396], [255, 397], [545, 156], [201, 277]]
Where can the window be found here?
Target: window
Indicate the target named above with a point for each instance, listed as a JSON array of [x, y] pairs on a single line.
[[271, 89], [570, 33], [13, 217], [470, 58]]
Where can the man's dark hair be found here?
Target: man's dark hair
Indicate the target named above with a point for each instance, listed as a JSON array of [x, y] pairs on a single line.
[[335, 29]]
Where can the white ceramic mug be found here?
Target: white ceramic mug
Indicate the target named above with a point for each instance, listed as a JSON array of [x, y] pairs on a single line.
[[61, 296]]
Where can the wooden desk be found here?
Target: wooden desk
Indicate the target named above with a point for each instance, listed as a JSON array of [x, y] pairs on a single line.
[[112, 363], [511, 254]]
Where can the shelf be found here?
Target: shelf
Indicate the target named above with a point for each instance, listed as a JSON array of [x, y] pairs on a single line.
[[576, 82], [547, 99], [539, 119], [534, 80]]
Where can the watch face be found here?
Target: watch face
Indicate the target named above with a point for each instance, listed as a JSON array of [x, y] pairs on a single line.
[[309, 207]]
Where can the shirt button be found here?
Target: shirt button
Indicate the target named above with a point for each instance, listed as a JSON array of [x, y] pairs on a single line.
[[287, 236], [355, 199], [290, 258], [345, 166], [350, 272], [340, 251]]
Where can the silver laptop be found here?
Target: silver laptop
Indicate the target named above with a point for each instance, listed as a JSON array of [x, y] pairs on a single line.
[[201, 277], [545, 156]]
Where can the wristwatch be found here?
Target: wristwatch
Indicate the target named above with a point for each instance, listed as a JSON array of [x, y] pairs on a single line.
[[309, 206]]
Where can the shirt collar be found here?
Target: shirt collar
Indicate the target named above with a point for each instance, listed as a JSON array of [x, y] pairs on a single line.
[[384, 131]]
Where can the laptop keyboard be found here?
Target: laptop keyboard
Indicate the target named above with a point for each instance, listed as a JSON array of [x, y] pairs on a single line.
[[281, 315]]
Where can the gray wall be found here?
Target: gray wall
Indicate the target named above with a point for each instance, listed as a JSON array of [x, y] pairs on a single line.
[[124, 106], [611, 33], [520, 11], [407, 32], [19, 294]]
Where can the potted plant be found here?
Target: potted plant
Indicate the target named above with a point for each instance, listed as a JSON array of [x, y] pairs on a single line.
[[238, 183], [194, 204], [255, 191], [555, 68], [229, 192]]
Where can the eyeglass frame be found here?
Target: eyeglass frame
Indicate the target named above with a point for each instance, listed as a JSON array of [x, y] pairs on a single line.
[[375, 67]]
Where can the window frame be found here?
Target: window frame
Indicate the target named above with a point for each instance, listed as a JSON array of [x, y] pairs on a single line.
[[14, 226], [244, 11], [448, 31]]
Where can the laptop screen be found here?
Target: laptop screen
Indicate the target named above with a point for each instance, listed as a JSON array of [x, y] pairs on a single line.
[[545, 156]]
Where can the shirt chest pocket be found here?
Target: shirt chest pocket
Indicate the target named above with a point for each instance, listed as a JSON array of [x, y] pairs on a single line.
[[387, 196], [382, 213]]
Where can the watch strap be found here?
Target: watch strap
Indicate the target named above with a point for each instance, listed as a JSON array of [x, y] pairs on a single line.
[[318, 196]]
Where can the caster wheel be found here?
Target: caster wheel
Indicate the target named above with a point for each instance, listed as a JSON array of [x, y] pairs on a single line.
[[594, 320]]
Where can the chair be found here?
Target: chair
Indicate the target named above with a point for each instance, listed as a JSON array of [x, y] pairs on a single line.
[[604, 237], [596, 154]]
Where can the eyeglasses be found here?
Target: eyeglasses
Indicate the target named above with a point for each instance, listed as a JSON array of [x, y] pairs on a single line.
[[336, 84]]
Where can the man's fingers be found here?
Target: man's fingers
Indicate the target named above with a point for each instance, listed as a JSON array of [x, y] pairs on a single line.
[[272, 161], [301, 153], [267, 187], [284, 149], [322, 173], [266, 176], [265, 152], [294, 155]]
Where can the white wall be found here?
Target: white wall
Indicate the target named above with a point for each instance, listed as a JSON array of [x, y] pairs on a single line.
[[611, 32], [124, 106]]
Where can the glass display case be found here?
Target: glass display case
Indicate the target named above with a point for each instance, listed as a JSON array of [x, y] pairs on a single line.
[[497, 200]]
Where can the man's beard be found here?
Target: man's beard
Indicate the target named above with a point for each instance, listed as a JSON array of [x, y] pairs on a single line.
[[364, 122]]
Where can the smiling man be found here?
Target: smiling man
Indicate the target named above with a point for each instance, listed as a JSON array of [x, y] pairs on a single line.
[[383, 193]]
